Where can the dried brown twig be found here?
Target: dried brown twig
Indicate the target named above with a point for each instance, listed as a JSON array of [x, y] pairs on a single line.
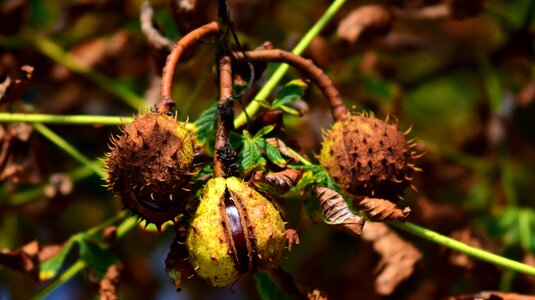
[[165, 103], [324, 83], [223, 125]]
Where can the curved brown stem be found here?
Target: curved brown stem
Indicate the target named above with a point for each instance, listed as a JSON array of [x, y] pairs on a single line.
[[324, 83], [165, 104], [223, 125]]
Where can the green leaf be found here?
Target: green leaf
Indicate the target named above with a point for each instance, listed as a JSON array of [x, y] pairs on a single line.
[[96, 257], [263, 131], [316, 175], [263, 103], [267, 288], [250, 157], [206, 127], [290, 110], [274, 155], [292, 91], [49, 268]]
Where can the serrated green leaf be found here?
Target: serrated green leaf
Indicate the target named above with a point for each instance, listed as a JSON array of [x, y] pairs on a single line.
[[49, 268], [292, 91], [263, 131], [206, 127], [96, 257], [274, 155], [267, 288], [250, 156]]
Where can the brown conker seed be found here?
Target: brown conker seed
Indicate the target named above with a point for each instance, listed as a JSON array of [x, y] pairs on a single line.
[[149, 166], [368, 157]]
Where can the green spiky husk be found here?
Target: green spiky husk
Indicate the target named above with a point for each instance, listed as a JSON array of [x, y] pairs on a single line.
[[210, 246], [368, 157], [149, 166]]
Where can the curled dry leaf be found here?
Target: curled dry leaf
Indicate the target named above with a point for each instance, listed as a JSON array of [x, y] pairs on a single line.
[[398, 257], [380, 210], [177, 265], [282, 148], [28, 258], [367, 19], [109, 285], [19, 161], [491, 295], [10, 89], [282, 181], [336, 211], [316, 295]]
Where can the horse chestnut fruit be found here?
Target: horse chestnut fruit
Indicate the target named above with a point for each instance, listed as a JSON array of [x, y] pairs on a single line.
[[235, 230], [149, 166]]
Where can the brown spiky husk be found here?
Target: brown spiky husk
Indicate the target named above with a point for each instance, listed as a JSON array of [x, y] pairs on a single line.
[[150, 165], [368, 157]]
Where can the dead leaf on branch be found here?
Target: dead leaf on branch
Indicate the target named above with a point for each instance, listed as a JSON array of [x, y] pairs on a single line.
[[398, 257], [109, 285], [380, 210], [10, 89], [283, 148], [177, 265], [336, 211], [367, 19], [27, 259], [19, 161], [282, 181]]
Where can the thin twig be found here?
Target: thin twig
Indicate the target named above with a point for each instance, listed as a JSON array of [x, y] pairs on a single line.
[[324, 83], [253, 107], [225, 97], [168, 73], [153, 36]]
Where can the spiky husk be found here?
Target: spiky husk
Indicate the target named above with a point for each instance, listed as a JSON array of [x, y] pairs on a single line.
[[368, 157], [212, 250], [149, 166]]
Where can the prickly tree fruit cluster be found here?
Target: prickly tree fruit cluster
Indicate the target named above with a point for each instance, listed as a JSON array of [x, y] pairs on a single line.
[[149, 166], [368, 157]]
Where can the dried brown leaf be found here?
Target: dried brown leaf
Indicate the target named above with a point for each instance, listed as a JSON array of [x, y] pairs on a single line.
[[282, 181], [367, 19], [177, 265], [282, 148], [109, 285], [10, 89], [19, 154], [398, 257], [27, 258], [492, 295], [336, 211], [380, 210], [316, 295]]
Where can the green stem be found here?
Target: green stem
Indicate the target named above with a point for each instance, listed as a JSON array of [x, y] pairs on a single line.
[[64, 277], [283, 68], [63, 144], [55, 52], [456, 245], [463, 248], [62, 119], [79, 265]]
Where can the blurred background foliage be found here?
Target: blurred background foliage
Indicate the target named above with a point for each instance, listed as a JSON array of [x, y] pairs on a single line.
[[466, 86]]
